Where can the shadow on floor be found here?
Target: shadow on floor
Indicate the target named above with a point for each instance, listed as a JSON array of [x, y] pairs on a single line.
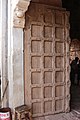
[[75, 97]]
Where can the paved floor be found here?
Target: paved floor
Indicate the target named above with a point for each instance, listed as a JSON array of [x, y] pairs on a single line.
[[75, 97], [62, 116]]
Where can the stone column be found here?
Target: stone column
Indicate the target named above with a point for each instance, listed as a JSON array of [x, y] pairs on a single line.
[[16, 24], [19, 10], [12, 61], [3, 40]]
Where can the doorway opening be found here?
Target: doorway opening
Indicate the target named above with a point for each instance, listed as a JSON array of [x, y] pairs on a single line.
[[74, 7], [75, 83]]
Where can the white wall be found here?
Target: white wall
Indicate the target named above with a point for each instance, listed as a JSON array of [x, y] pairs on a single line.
[[3, 39], [11, 40]]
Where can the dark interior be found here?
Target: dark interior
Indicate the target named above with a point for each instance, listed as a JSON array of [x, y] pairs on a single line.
[[74, 7]]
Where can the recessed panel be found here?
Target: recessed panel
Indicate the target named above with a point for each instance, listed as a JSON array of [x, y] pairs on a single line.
[[36, 46], [59, 105], [48, 32], [48, 47], [48, 92], [59, 33], [48, 77], [35, 62], [36, 93], [59, 91], [36, 108], [48, 17], [59, 18], [36, 77], [37, 31], [48, 62], [59, 47], [47, 106], [59, 62], [59, 76]]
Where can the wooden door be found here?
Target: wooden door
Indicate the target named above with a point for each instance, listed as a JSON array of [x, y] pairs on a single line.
[[46, 60]]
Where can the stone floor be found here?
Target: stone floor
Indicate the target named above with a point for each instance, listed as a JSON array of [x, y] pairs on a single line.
[[61, 116], [75, 97]]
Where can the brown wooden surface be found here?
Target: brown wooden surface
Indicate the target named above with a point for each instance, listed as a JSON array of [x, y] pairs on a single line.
[[57, 3], [46, 60]]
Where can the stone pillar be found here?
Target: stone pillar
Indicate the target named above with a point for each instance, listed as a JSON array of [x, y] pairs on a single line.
[[3, 39], [12, 62], [16, 23], [19, 10], [18, 72]]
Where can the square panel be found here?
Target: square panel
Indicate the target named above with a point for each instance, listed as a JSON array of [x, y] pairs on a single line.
[[59, 33], [48, 47], [59, 91], [36, 77], [48, 32], [59, 62], [39, 17], [48, 62], [59, 47], [36, 108], [59, 18], [59, 105], [36, 93], [35, 62], [48, 77], [47, 106], [48, 17], [37, 31], [36, 46], [59, 76], [48, 92]]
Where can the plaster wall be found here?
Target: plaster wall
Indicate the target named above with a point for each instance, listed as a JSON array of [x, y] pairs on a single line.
[[15, 61], [18, 80], [11, 58]]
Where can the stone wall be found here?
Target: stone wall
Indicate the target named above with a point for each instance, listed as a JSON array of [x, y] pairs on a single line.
[[74, 49]]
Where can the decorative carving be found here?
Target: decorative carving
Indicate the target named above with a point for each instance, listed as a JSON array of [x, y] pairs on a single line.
[[19, 13]]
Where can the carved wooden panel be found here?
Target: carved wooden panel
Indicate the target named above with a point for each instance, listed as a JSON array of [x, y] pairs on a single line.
[[46, 55]]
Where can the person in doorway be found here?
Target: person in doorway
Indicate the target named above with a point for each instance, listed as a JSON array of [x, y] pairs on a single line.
[[74, 70]]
